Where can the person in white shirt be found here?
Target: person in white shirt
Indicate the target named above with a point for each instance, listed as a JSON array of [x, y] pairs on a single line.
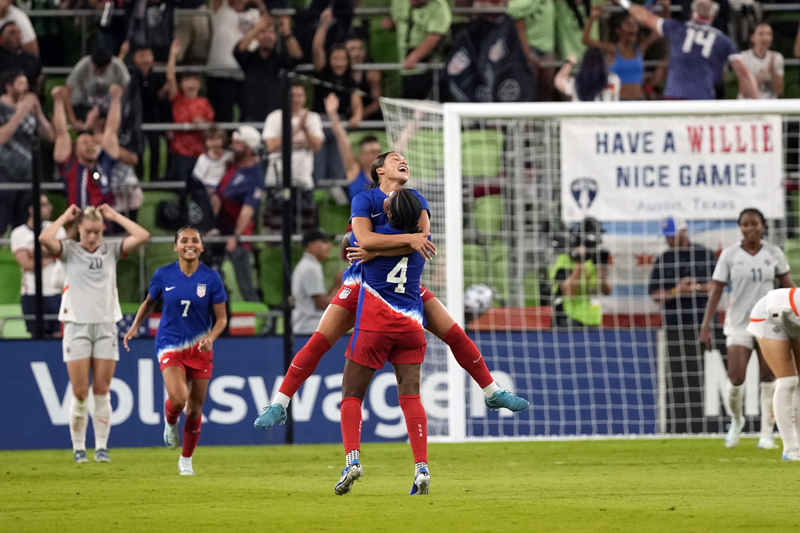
[[307, 137], [212, 165], [230, 21], [22, 245], [310, 295], [593, 82], [751, 267], [764, 64], [90, 310], [9, 12], [776, 325]]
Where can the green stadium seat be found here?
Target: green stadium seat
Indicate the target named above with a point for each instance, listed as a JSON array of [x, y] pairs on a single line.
[[252, 307], [147, 213], [229, 278], [10, 277], [271, 274], [156, 256], [488, 212], [425, 154], [481, 153], [128, 279], [12, 328], [531, 287], [498, 259], [333, 217], [129, 308], [476, 267]]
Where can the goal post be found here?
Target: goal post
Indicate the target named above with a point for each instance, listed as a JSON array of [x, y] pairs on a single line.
[[506, 184]]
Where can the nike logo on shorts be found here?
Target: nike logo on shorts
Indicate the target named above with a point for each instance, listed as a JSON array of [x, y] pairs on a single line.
[[169, 288]]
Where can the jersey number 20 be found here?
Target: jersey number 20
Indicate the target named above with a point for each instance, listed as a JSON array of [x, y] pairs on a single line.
[[398, 275]]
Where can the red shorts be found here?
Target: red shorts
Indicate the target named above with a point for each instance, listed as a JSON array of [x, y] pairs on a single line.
[[374, 348], [347, 297], [195, 363]]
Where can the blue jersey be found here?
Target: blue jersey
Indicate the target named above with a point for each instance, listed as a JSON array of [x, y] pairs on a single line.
[[188, 305], [358, 185], [697, 55], [369, 204], [390, 298]]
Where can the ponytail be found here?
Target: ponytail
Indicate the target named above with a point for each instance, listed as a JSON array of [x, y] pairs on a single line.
[[373, 173]]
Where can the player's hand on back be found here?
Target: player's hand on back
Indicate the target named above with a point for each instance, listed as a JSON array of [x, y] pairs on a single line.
[[358, 255], [420, 242]]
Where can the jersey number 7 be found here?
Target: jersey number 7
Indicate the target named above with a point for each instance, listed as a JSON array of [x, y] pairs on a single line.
[[398, 275]]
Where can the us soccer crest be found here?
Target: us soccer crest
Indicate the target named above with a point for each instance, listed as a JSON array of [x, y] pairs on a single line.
[[344, 294], [201, 290]]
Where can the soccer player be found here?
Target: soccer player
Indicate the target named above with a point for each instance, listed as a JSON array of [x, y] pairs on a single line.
[[776, 325], [388, 328], [90, 310], [191, 293], [697, 52], [389, 173], [751, 267]]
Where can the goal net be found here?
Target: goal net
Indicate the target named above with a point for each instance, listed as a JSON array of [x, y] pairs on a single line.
[[576, 245]]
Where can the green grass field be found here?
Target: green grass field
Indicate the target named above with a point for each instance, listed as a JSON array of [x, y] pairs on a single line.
[[627, 485]]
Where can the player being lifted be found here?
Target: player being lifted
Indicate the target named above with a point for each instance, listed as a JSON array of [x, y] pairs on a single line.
[[90, 312], [389, 172], [389, 322], [193, 297], [751, 267]]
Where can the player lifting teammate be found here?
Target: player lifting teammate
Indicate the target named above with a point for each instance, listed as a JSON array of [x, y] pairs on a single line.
[[751, 267], [192, 293], [90, 310], [389, 172]]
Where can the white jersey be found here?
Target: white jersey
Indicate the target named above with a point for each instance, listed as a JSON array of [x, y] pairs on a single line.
[[52, 274], [776, 315], [90, 290], [751, 277]]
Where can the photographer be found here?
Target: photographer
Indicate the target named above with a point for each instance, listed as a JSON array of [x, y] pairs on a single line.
[[579, 276]]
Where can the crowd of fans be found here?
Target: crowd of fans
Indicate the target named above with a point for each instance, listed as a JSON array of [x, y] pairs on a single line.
[[97, 114]]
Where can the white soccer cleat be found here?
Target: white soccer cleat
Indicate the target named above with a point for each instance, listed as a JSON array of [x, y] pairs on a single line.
[[734, 433], [422, 482], [185, 466], [350, 475], [766, 442], [791, 455], [171, 438]]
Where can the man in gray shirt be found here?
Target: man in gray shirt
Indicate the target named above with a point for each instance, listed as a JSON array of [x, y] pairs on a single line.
[[308, 283], [88, 84]]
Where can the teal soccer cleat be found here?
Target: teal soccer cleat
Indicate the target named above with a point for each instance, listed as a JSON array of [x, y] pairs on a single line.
[[504, 398], [350, 475], [270, 415]]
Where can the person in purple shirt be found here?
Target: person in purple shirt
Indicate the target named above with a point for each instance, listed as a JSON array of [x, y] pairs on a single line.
[[697, 52]]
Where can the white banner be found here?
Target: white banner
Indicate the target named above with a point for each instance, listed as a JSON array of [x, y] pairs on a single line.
[[696, 168]]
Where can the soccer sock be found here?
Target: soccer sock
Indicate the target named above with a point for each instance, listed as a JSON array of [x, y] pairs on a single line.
[[101, 420], [784, 410], [489, 390], [735, 400], [351, 424], [767, 416], [417, 426], [796, 404], [468, 356], [191, 434], [303, 365], [78, 420], [282, 399], [171, 413], [352, 455]]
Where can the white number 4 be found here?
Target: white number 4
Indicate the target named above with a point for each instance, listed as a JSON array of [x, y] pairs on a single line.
[[398, 275], [703, 38], [186, 303]]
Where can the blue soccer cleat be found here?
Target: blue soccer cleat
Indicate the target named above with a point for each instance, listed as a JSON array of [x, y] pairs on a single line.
[[270, 415], [350, 475], [80, 456], [101, 456], [791, 455], [422, 482], [504, 398]]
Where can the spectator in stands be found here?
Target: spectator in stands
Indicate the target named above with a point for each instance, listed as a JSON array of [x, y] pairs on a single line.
[[694, 69], [152, 91], [680, 282], [358, 170], [369, 82], [89, 81], [147, 23], [570, 18], [307, 137], [535, 23], [765, 65], [11, 13], [193, 32], [334, 75], [240, 193], [311, 297], [593, 82], [579, 276], [48, 30], [262, 66], [22, 244], [231, 21], [13, 55], [721, 19], [421, 27], [21, 119], [86, 171], [626, 57], [212, 165]]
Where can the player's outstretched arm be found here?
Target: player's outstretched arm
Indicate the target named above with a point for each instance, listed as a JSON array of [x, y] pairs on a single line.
[[145, 310], [747, 83], [206, 343], [48, 236], [641, 14], [138, 235]]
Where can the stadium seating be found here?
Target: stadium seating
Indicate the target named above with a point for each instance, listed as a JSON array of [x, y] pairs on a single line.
[[12, 328], [128, 279], [333, 217], [481, 153], [488, 214], [147, 213], [10, 277]]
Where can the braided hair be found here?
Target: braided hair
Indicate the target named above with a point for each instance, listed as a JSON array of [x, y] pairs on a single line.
[[406, 209], [373, 173]]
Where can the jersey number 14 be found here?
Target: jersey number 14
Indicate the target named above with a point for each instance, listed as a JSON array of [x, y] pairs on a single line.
[[398, 275], [702, 38]]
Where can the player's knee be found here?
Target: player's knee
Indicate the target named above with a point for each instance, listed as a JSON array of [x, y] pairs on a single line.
[[737, 378], [101, 388], [407, 389], [178, 401], [80, 392], [194, 412]]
